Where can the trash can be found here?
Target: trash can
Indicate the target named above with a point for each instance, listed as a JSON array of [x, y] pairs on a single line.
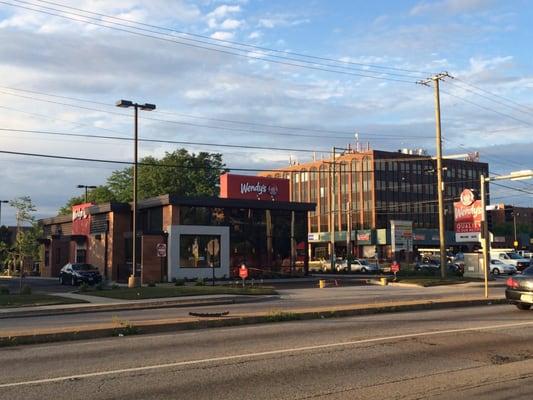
[[321, 283]]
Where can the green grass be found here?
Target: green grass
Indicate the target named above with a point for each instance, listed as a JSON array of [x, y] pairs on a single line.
[[176, 291], [21, 300]]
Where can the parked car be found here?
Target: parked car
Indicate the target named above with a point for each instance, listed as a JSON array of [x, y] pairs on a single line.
[[498, 267], [520, 289], [433, 266], [76, 273], [357, 266]]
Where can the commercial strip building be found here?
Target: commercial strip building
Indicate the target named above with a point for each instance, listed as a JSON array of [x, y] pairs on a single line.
[[360, 193], [511, 223], [183, 237]]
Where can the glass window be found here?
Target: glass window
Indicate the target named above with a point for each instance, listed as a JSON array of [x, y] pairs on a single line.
[[199, 251]]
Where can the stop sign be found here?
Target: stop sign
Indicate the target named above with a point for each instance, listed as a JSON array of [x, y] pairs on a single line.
[[243, 272]]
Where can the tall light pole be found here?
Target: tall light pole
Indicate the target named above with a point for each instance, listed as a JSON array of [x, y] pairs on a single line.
[[515, 242], [86, 187], [133, 280], [4, 202]]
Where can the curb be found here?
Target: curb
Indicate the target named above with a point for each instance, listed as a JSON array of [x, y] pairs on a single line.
[[174, 326], [134, 307]]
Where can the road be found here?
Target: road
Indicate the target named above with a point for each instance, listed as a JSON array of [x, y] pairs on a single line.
[[291, 299], [481, 352]]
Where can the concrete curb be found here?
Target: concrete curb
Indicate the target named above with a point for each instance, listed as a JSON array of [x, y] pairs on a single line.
[[141, 306], [181, 325]]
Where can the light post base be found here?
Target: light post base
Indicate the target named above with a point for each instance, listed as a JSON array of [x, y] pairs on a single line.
[[134, 281]]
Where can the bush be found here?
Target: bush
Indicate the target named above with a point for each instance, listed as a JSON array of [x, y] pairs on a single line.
[[179, 282], [114, 286], [200, 282], [84, 287], [99, 286], [26, 290], [4, 290], [151, 283]]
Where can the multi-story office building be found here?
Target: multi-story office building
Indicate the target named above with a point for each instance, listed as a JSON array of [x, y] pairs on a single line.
[[365, 190]]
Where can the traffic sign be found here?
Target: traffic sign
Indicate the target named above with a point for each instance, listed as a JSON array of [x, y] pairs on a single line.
[[243, 272], [161, 250]]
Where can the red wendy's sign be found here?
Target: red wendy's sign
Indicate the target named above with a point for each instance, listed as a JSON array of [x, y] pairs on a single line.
[[81, 219], [468, 213], [253, 187]]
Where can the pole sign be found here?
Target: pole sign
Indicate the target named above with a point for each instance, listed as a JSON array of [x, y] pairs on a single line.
[[401, 235], [161, 250], [467, 214], [243, 272]]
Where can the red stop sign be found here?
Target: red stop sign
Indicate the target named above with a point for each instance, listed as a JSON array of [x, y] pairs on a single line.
[[243, 272], [395, 267]]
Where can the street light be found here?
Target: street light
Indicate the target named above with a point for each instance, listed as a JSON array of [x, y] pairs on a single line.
[[4, 202], [86, 187], [132, 281]]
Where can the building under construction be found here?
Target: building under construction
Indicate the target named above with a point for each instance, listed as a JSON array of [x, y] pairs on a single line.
[[371, 194]]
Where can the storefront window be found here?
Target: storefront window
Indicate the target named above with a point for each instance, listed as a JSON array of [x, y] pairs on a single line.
[[199, 251]]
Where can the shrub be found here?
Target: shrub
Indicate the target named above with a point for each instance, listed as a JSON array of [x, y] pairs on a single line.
[[99, 286], [179, 282], [200, 282], [114, 286], [26, 290], [151, 283], [4, 290], [84, 287], [280, 316]]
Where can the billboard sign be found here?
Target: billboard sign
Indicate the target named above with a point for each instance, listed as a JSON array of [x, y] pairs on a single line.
[[81, 219], [401, 235], [467, 216], [254, 188]]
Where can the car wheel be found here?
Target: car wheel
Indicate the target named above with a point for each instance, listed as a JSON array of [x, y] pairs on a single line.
[[74, 281], [363, 270], [61, 282], [523, 306], [495, 271]]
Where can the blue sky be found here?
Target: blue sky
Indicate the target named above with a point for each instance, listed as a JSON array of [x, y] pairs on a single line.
[[482, 43]]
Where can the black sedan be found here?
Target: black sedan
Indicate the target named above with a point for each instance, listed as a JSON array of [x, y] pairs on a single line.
[[520, 289], [74, 274]]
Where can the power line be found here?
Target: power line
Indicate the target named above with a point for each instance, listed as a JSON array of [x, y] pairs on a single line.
[[232, 129], [236, 43], [206, 118], [214, 42], [528, 109], [307, 66]]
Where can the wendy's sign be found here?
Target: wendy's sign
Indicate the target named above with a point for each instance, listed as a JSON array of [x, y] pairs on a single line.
[[467, 215], [254, 187], [81, 219]]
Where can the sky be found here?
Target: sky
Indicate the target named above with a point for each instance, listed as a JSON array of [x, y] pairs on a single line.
[[312, 75]]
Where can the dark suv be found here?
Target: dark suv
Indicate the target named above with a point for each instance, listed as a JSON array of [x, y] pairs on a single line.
[[74, 274]]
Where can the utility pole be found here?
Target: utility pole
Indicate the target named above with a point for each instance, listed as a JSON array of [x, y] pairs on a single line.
[[440, 184], [332, 226], [2, 202]]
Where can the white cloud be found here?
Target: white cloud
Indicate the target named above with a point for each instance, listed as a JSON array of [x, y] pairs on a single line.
[[255, 35], [231, 24], [223, 11], [222, 35], [450, 7]]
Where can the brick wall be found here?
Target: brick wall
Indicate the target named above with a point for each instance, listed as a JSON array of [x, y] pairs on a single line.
[[151, 264]]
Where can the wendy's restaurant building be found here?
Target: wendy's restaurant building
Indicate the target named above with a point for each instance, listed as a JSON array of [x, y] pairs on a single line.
[[252, 222]]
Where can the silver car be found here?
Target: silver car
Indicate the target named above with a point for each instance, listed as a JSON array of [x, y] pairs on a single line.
[[498, 267], [357, 266]]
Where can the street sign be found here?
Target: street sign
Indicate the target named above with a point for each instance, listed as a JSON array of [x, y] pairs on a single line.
[[161, 249], [243, 272]]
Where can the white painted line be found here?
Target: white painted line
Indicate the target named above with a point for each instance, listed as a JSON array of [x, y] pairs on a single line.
[[258, 354]]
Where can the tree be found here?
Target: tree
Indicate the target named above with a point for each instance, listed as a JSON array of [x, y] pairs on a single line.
[[179, 172], [26, 246]]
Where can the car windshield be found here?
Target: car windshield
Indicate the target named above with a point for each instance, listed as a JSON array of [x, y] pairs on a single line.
[[514, 256], [496, 262], [363, 262], [83, 267]]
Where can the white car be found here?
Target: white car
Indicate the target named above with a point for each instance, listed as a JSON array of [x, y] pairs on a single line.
[[357, 266], [498, 267]]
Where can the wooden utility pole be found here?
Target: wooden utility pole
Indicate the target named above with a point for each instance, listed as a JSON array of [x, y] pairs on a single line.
[[440, 183]]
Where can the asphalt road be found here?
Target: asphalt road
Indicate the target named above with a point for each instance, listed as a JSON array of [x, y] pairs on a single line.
[[482, 352], [291, 299]]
